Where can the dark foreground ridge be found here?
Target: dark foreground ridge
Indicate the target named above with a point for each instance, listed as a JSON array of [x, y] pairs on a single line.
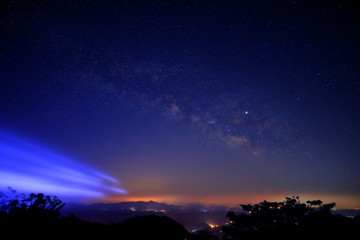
[[38, 216], [159, 227]]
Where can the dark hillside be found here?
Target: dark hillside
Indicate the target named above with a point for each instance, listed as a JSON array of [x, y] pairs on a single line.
[[153, 227]]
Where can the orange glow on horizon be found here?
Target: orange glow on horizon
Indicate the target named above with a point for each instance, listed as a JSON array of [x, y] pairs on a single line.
[[233, 200]]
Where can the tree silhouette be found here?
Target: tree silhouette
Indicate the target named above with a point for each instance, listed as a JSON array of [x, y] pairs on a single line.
[[281, 219], [35, 204], [33, 213]]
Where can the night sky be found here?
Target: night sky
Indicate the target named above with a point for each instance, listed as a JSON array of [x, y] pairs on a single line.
[[221, 102]]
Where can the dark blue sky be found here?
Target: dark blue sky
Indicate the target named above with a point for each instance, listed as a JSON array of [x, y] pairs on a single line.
[[191, 100]]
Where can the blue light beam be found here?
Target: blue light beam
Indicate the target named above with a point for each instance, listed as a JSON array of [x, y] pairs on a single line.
[[27, 167]]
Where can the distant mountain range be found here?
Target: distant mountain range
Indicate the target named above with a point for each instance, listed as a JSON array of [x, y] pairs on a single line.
[[192, 216]]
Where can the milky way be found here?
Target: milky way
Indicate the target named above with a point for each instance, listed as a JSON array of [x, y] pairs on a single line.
[[241, 119]]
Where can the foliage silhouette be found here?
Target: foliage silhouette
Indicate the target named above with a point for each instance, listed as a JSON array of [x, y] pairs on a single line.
[[34, 206], [29, 215], [288, 218]]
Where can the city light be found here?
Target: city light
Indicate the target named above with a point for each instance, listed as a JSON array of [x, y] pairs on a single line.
[[213, 225]]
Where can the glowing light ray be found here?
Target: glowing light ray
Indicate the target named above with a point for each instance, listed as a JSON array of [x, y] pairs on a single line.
[[27, 167], [46, 161], [24, 183], [38, 165]]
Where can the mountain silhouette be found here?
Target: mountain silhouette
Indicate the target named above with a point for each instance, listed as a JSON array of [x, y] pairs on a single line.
[[153, 227]]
